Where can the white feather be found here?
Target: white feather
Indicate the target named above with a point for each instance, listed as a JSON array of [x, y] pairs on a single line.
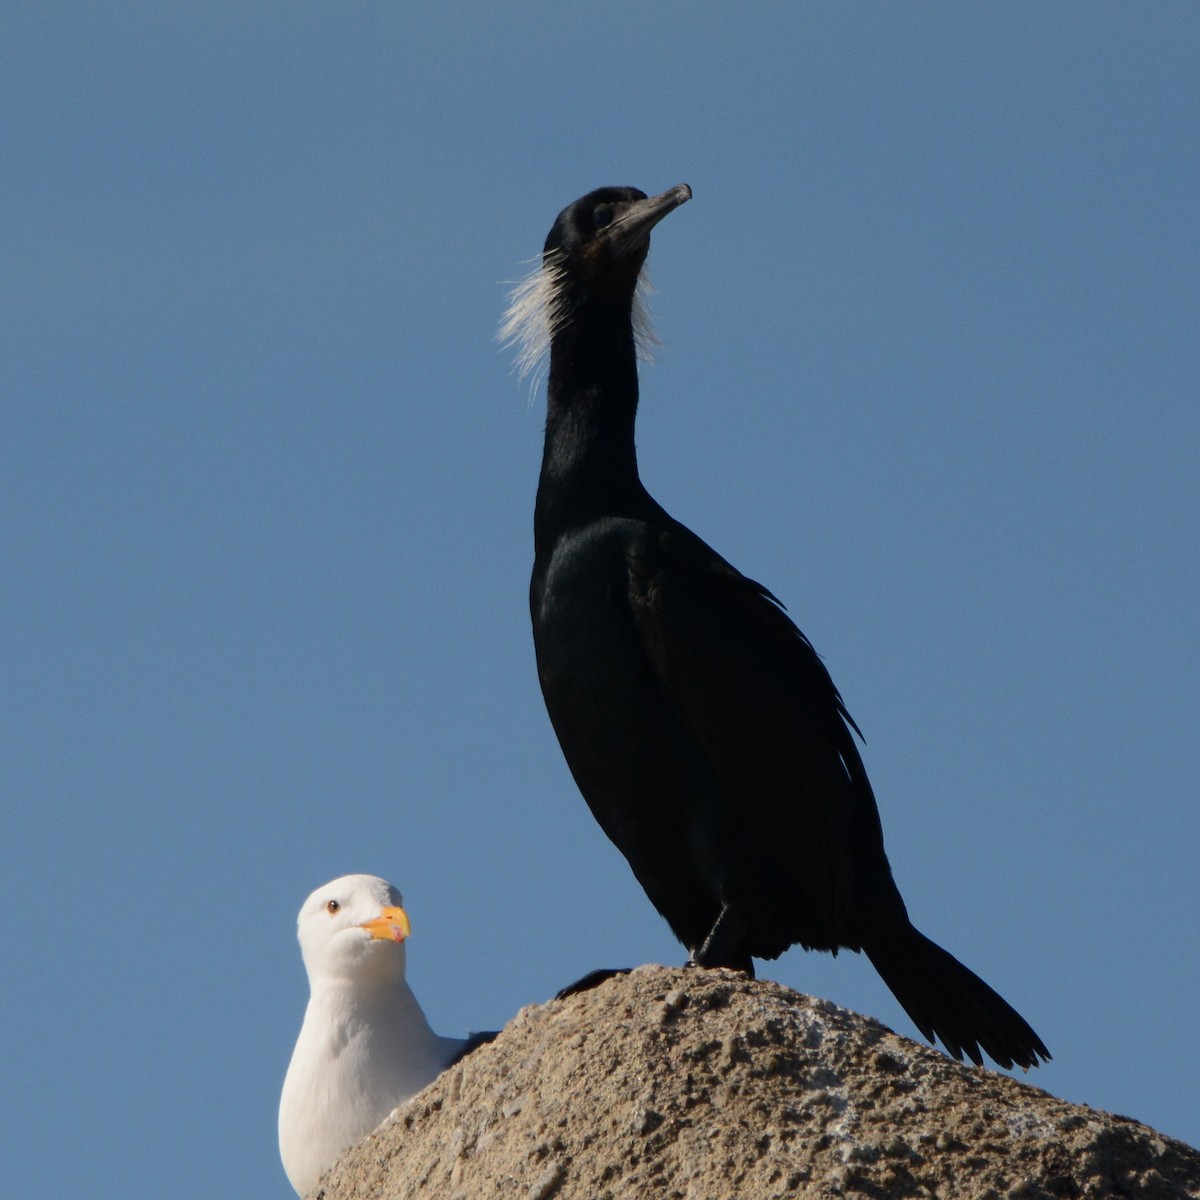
[[537, 310], [644, 338]]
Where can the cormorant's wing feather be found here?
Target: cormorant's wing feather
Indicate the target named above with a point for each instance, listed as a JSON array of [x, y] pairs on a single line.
[[760, 704]]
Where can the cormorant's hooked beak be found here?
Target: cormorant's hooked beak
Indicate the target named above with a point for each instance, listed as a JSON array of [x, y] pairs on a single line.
[[392, 925], [631, 226]]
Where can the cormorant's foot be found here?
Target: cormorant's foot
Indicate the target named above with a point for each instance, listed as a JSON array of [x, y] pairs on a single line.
[[591, 980], [746, 966]]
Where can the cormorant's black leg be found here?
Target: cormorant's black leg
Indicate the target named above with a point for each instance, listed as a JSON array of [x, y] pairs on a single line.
[[722, 947]]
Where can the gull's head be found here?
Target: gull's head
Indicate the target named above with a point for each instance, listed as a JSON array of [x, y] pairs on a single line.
[[353, 928]]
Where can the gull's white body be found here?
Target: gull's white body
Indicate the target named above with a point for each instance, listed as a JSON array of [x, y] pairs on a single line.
[[365, 1046]]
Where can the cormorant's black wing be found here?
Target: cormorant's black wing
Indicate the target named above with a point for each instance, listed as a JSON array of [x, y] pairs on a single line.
[[763, 709]]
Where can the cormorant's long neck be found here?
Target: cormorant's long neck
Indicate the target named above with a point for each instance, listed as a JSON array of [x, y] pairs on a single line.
[[589, 465]]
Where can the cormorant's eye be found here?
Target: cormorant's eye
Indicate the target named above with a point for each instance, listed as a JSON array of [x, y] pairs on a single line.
[[332, 907], [602, 215]]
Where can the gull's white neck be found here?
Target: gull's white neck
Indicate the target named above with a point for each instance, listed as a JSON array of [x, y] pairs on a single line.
[[363, 1050], [352, 1015]]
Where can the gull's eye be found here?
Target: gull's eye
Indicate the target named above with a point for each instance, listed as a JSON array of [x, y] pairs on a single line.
[[332, 907], [602, 215]]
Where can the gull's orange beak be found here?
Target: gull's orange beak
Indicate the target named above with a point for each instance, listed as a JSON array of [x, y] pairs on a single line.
[[391, 925]]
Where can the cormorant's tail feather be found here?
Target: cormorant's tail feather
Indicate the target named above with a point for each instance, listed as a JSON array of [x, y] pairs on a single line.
[[951, 1004]]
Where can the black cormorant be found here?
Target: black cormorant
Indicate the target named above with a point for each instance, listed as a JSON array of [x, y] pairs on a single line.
[[701, 727]]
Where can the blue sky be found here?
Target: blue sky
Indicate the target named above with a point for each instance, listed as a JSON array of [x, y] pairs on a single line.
[[266, 487]]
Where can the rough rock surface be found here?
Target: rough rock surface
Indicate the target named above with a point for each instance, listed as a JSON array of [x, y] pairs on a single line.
[[706, 1085]]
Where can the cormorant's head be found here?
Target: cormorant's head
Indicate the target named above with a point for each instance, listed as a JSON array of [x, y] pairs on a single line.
[[596, 245], [602, 238]]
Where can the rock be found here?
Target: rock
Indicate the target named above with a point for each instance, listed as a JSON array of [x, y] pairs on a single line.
[[706, 1085]]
